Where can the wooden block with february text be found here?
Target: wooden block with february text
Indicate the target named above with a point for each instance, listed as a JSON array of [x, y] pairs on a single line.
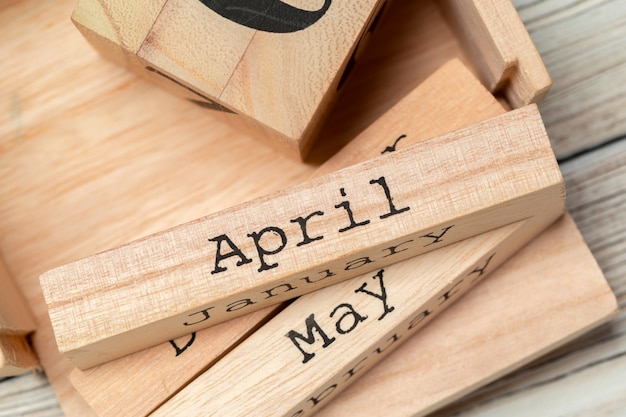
[[303, 238], [546, 295], [449, 99], [278, 66], [525, 283], [16, 356]]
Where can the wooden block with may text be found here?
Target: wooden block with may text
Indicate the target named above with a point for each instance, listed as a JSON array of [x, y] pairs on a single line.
[[276, 65], [301, 239], [449, 99]]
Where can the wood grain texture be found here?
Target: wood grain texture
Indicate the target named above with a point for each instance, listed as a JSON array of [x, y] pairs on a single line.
[[581, 378], [267, 350], [282, 85], [115, 28], [168, 284], [170, 145], [281, 81], [325, 340], [451, 98], [16, 323]]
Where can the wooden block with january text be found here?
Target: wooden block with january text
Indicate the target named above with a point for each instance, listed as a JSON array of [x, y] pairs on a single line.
[[277, 65], [450, 99], [242, 259]]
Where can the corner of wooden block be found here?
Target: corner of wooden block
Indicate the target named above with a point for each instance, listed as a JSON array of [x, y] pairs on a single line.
[[116, 29]]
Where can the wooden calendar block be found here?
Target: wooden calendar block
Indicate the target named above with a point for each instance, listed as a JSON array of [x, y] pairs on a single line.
[[303, 238], [15, 316], [449, 99], [277, 65], [548, 294], [16, 356]]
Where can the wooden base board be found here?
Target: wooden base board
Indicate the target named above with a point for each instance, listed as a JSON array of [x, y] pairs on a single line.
[[451, 98]]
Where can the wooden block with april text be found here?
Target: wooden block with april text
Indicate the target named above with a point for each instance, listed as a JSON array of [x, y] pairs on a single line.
[[275, 248]]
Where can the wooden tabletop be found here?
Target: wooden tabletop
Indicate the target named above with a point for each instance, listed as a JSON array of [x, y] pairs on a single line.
[[582, 44]]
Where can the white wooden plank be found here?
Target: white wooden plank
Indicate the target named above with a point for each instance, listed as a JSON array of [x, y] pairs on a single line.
[[581, 43]]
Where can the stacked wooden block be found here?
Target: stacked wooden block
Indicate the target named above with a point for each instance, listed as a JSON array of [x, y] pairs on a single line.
[[420, 207]]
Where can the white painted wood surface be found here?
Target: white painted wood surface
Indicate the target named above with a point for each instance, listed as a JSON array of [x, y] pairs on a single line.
[[582, 45]]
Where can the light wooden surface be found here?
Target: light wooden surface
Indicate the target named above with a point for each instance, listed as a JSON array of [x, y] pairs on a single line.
[[16, 356], [595, 196]]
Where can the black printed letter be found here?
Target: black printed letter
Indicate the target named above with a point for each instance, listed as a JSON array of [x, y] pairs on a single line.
[[382, 296], [256, 236], [392, 209], [310, 337], [219, 256]]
